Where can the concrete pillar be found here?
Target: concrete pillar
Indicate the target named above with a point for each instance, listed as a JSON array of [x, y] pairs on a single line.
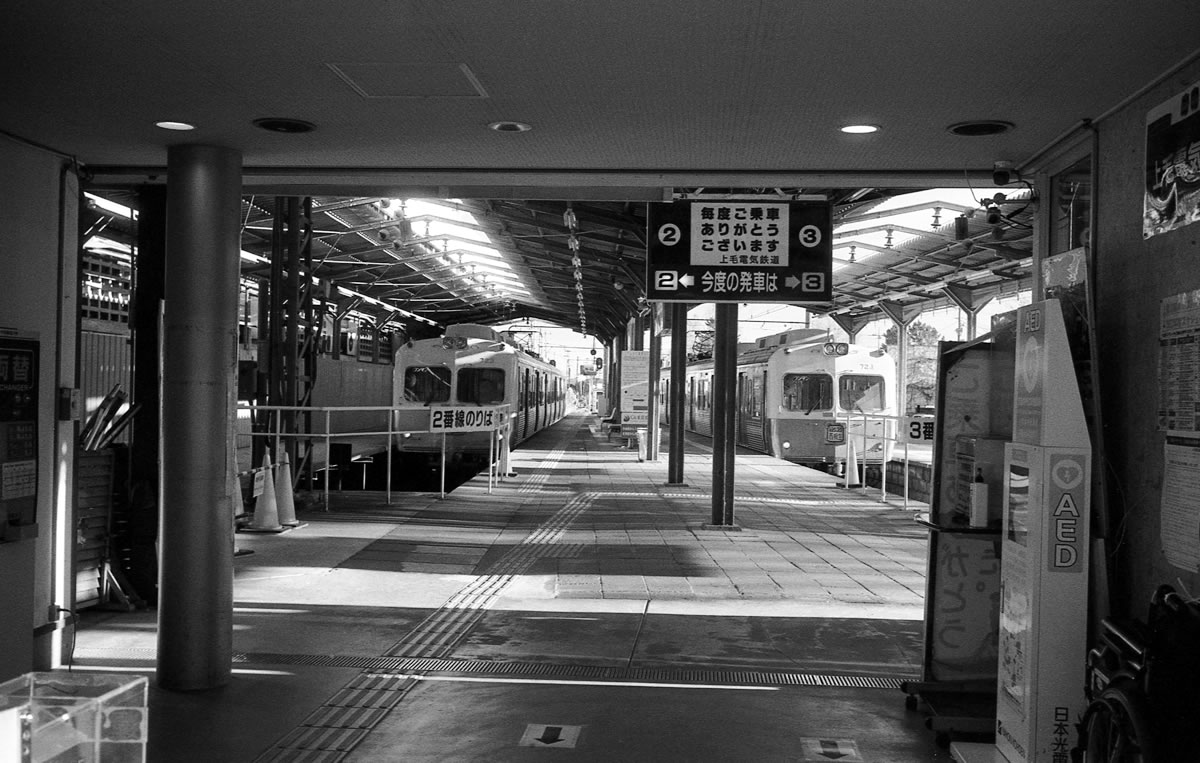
[[724, 411], [678, 393], [652, 427], [195, 603]]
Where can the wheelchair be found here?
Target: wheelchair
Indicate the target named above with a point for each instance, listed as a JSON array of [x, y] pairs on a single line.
[[1143, 687]]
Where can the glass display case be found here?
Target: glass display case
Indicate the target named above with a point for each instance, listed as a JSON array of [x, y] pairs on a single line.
[[73, 716]]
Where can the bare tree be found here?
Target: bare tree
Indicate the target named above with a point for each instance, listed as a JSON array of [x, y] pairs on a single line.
[[922, 361]]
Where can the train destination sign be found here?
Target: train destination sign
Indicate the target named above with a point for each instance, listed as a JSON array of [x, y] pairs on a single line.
[[739, 251]]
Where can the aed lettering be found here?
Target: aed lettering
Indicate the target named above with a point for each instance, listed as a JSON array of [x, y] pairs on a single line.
[[1065, 524]]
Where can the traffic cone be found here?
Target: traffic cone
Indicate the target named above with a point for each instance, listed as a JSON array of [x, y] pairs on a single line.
[[233, 488], [266, 509], [852, 478], [284, 498]]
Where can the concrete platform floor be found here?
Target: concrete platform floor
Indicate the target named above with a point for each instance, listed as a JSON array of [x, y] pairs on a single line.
[[581, 606]]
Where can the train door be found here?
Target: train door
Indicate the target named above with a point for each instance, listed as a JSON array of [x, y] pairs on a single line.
[[739, 426], [538, 380], [750, 388], [524, 414], [691, 402], [760, 411]]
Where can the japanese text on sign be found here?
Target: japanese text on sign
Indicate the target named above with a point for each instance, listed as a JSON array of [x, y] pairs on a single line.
[[16, 369], [739, 234], [727, 281], [921, 430], [466, 419]]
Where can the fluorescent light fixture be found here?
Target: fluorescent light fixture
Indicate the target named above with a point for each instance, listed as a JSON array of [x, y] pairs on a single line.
[[172, 125], [860, 129]]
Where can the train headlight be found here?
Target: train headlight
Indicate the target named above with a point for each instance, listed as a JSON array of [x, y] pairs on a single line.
[[407, 435], [836, 348], [787, 445]]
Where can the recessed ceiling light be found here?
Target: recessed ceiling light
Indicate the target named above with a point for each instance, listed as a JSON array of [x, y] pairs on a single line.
[[976, 128], [860, 129], [510, 127], [284, 124], [169, 125]]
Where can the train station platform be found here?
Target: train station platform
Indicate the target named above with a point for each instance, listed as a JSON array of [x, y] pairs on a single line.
[[581, 605]]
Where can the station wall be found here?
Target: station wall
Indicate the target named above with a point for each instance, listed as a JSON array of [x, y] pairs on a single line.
[[347, 382], [38, 213], [1133, 276]]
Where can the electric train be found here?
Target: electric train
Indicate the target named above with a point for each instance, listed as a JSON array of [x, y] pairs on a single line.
[[802, 398], [461, 380]]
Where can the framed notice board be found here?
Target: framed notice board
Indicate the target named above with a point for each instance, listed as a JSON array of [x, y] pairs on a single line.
[[18, 435]]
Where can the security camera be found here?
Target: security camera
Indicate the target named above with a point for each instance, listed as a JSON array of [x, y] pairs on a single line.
[[1003, 173]]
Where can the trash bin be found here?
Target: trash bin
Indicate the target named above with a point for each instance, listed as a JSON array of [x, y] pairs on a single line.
[[643, 441]]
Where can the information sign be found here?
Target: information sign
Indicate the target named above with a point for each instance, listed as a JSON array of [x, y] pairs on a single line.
[[18, 434], [635, 387], [465, 418], [739, 251], [921, 429]]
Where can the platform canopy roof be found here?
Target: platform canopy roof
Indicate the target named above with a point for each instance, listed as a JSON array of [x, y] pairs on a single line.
[[368, 107]]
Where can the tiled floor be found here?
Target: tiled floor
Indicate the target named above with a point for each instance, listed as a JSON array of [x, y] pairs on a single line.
[[582, 605]]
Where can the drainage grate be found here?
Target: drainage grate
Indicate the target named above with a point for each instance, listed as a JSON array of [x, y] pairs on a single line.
[[431, 665], [426, 665]]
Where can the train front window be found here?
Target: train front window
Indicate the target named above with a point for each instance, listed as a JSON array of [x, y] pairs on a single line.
[[807, 392], [481, 386], [857, 392], [426, 384]]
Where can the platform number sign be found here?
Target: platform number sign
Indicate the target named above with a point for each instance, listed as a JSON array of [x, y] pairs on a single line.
[[921, 429], [740, 251]]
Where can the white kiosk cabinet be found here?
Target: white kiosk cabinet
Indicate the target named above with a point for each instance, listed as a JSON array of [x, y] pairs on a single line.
[[1043, 603], [1044, 556], [1044, 553]]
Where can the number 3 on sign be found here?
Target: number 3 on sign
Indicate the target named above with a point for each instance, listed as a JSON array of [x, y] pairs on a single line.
[[812, 282], [810, 236]]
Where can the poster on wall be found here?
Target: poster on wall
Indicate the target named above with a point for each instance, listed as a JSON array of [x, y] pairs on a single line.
[[1180, 512], [1172, 198], [1179, 364], [635, 387]]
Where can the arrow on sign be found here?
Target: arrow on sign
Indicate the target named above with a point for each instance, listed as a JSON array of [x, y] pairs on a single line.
[[550, 735], [791, 282], [829, 749], [687, 279]]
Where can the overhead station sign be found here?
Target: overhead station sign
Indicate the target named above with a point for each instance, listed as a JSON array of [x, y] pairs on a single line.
[[740, 251]]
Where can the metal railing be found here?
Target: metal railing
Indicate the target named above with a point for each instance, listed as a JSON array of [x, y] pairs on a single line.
[[895, 431], [322, 418]]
